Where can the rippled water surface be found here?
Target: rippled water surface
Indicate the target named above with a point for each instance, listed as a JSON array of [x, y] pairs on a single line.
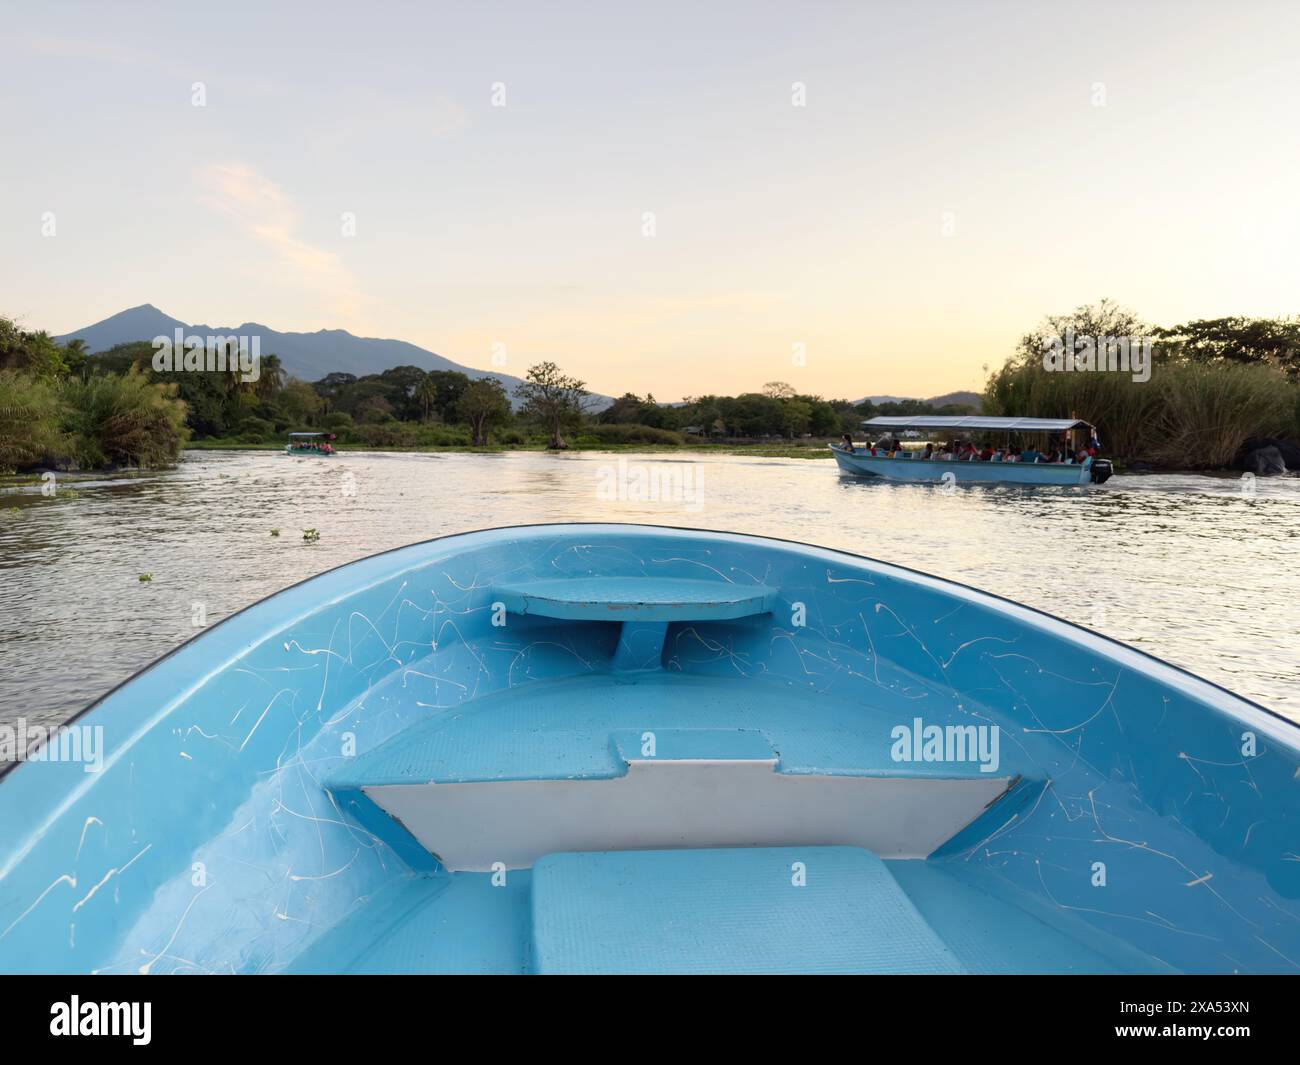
[[1189, 568]]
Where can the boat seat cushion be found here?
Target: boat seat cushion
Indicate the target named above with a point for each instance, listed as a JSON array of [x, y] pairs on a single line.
[[738, 910]]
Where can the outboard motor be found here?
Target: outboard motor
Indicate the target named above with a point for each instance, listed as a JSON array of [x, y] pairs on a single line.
[[1101, 471]]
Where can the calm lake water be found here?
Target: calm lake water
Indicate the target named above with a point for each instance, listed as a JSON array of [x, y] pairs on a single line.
[[1187, 567]]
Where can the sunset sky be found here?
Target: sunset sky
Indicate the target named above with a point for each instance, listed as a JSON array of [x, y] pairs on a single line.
[[958, 170]]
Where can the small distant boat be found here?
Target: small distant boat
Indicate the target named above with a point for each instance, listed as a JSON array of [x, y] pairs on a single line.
[[311, 444], [621, 748], [910, 465]]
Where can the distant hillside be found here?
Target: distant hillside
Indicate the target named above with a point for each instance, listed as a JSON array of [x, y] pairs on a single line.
[[965, 399], [307, 355]]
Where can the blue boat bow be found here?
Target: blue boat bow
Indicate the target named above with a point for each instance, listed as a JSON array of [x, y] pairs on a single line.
[[611, 748]]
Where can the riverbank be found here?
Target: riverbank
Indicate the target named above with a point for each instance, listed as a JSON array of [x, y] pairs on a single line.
[[763, 451], [766, 451]]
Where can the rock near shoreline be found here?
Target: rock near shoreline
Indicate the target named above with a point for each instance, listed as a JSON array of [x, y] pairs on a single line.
[[1268, 456]]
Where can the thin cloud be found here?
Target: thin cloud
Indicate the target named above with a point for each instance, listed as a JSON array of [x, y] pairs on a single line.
[[268, 214]]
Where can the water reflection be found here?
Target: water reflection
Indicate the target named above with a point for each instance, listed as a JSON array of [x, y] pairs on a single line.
[[1189, 568]]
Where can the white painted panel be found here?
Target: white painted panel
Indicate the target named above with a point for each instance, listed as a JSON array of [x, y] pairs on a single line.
[[666, 804]]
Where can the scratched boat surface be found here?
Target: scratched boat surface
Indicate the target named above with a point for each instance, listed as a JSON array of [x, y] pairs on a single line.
[[614, 748]]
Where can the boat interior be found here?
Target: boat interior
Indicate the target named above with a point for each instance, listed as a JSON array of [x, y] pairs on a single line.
[[670, 822], [612, 749]]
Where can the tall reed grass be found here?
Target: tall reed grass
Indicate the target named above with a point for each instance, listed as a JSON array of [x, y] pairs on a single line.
[[124, 419], [106, 419], [30, 415], [1187, 416]]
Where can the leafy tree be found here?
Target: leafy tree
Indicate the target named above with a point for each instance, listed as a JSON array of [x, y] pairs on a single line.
[[796, 416], [553, 398], [331, 387], [300, 404], [484, 403], [121, 357], [211, 413], [402, 384], [32, 352], [823, 419], [375, 408], [335, 421], [626, 410], [1105, 318], [439, 393], [755, 414], [1275, 341]]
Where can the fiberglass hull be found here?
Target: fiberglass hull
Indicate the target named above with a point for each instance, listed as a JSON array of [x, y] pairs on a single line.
[[606, 748], [940, 470]]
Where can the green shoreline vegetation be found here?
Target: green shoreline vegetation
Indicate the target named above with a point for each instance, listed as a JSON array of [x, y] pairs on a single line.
[[809, 449], [1214, 385]]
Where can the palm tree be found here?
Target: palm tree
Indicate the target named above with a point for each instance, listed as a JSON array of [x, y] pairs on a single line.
[[427, 394], [271, 379]]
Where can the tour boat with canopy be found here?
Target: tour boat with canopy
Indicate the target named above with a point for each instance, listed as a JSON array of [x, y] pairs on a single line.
[[310, 444], [910, 464]]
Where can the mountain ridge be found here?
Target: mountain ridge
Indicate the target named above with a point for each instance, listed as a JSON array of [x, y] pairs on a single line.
[[309, 356]]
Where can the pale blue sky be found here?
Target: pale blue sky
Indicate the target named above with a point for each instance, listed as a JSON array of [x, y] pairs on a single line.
[[776, 225]]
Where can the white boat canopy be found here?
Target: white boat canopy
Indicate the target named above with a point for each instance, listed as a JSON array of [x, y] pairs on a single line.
[[940, 421]]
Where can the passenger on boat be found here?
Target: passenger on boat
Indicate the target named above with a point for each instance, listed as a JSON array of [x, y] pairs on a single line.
[[1031, 454], [846, 442], [929, 451], [1010, 456], [987, 454]]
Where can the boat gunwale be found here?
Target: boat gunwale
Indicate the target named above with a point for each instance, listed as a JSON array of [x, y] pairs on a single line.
[[1071, 467], [8, 767]]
